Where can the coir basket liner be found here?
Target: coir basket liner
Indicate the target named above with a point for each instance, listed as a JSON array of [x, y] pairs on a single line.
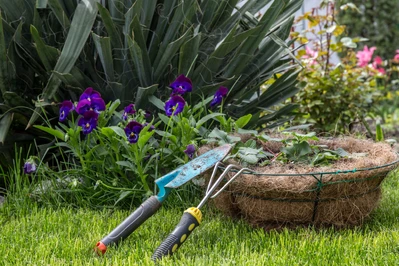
[[342, 194]]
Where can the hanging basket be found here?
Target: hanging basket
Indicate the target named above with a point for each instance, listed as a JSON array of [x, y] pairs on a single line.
[[342, 194]]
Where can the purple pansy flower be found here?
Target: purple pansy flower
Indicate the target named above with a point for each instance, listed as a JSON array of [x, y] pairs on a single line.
[[95, 104], [128, 110], [90, 94], [181, 85], [29, 167], [219, 95], [66, 107], [132, 131], [190, 150], [174, 105], [147, 114], [88, 122]]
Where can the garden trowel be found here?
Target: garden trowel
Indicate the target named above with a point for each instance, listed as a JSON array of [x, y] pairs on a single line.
[[165, 184]]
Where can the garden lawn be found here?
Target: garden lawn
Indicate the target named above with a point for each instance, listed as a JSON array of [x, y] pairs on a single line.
[[66, 237]]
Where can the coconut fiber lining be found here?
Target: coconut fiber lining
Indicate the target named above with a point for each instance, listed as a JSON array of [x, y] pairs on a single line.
[[341, 194]]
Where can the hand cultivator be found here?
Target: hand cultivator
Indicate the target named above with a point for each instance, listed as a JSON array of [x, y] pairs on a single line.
[[192, 216], [165, 184]]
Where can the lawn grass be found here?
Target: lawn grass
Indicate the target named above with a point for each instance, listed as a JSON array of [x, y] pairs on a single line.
[[65, 236]]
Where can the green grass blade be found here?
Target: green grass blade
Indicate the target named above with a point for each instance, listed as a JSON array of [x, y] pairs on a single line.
[[81, 25], [54, 132], [5, 124], [104, 49]]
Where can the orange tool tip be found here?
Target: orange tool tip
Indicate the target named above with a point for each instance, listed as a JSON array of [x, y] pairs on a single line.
[[100, 248]]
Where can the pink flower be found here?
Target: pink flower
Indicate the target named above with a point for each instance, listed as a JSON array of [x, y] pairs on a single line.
[[364, 57], [311, 55], [378, 62], [396, 57]]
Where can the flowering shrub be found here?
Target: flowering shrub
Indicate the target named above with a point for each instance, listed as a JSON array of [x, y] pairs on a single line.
[[106, 152], [337, 96]]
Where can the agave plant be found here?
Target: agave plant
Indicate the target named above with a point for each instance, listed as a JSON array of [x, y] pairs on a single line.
[[133, 50]]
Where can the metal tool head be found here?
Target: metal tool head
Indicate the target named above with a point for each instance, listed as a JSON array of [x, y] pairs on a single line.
[[199, 165], [190, 170]]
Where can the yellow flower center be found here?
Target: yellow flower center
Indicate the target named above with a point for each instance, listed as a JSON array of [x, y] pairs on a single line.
[[132, 135], [87, 125]]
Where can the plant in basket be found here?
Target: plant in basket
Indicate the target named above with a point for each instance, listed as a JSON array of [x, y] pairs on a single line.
[[300, 179]]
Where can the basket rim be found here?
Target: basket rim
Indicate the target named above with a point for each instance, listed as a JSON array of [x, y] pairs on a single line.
[[354, 170]]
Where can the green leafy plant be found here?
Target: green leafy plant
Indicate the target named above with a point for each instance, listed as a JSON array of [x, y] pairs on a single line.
[[298, 149], [131, 50], [339, 96]]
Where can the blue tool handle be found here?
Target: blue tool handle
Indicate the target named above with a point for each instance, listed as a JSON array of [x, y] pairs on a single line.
[[131, 223], [190, 220]]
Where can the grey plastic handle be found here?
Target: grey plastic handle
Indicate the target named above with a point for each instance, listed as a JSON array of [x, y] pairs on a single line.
[[131, 223]]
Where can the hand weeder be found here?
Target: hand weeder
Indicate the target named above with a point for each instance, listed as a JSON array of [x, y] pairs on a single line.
[[165, 184], [192, 216]]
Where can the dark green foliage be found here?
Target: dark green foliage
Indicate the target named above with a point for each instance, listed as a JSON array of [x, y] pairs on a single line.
[[377, 21], [130, 50]]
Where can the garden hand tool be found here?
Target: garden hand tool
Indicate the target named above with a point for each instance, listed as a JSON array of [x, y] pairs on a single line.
[[192, 216], [165, 184]]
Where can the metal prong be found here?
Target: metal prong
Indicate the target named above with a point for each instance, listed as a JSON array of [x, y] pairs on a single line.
[[213, 185], [230, 180]]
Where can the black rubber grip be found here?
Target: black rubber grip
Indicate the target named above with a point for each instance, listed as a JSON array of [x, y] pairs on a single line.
[[137, 218], [186, 225]]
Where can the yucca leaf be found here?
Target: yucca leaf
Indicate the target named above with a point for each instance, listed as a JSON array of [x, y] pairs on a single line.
[[137, 58], [41, 4], [81, 25], [110, 26], [14, 99], [188, 54], [69, 79], [18, 9], [116, 9], [182, 13], [5, 124], [48, 55], [143, 94], [133, 11], [157, 102], [169, 53], [115, 37], [104, 49], [160, 31], [3, 61], [138, 38], [147, 14], [26, 52], [247, 49], [60, 14]]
